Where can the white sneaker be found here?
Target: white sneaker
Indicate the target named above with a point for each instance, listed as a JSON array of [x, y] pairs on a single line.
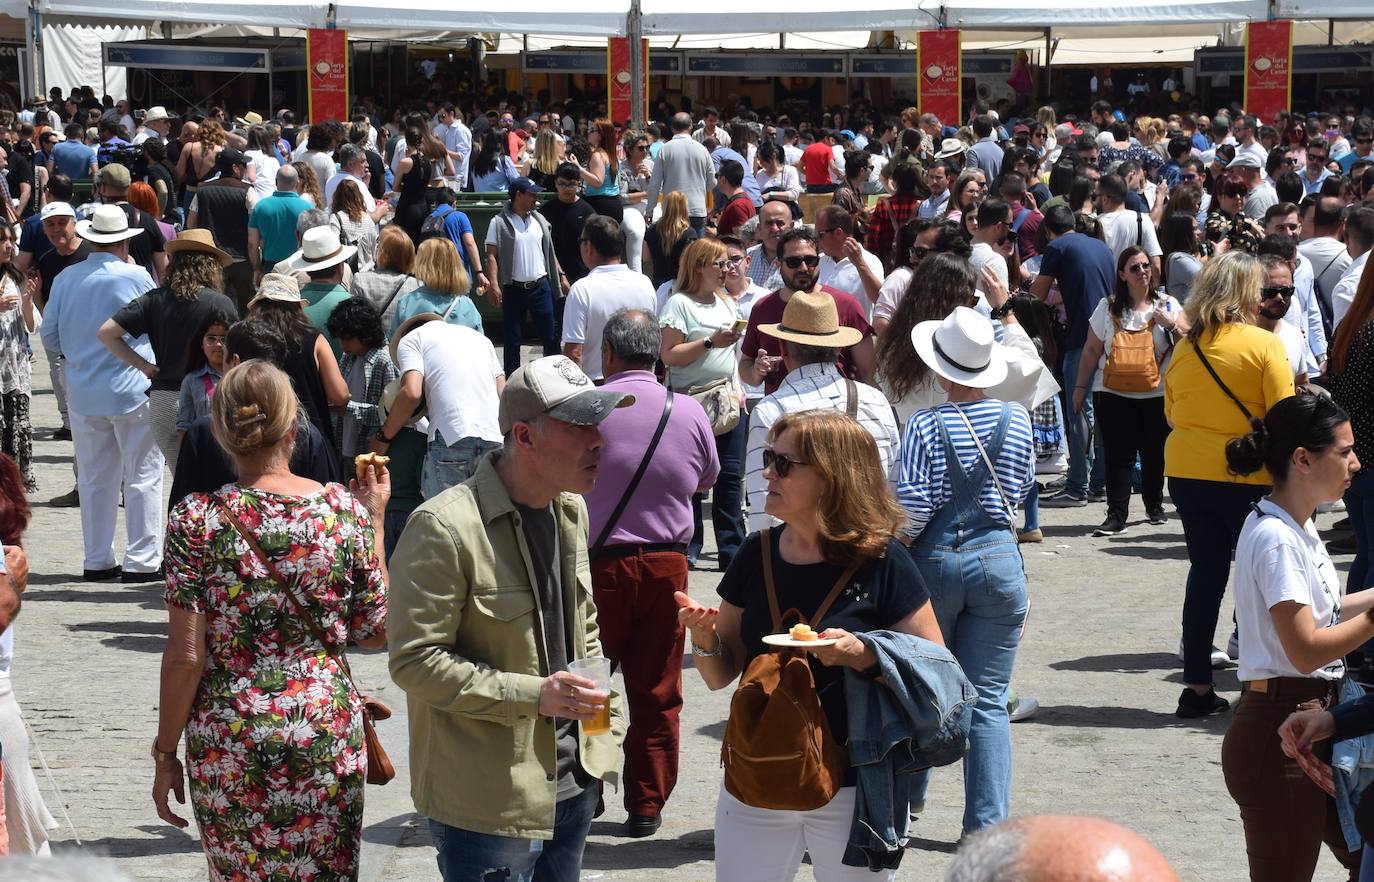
[[1329, 507], [1052, 464], [1022, 707], [1219, 658]]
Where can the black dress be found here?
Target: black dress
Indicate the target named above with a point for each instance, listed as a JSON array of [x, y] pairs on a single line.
[[300, 366], [413, 206]]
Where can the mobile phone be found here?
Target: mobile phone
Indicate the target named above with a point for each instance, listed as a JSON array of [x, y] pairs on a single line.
[[740, 325]]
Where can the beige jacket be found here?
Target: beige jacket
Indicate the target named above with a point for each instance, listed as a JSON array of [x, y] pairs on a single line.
[[467, 647]]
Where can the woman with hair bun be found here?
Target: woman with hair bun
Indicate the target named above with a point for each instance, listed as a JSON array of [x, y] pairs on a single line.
[[1295, 630], [273, 723]]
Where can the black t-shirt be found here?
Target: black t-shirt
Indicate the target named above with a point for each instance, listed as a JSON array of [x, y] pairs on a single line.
[[169, 323], [377, 172], [142, 247], [52, 263], [566, 222], [880, 594], [20, 172], [157, 172], [203, 466], [541, 535]]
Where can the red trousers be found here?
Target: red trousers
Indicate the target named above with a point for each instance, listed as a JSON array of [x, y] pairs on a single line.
[[641, 636]]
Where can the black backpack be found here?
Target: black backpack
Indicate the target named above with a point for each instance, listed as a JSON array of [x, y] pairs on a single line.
[[433, 227]]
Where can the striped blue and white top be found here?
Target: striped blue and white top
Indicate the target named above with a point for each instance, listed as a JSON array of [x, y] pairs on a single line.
[[923, 486]]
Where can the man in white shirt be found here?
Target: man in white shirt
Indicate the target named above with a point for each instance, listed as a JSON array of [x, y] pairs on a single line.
[[1281, 229], [353, 166], [1276, 297], [1323, 223], [1122, 228], [994, 225], [457, 140], [609, 287], [454, 371], [156, 125], [811, 338], [1359, 238], [709, 128], [1246, 128], [845, 264], [937, 181], [764, 268]]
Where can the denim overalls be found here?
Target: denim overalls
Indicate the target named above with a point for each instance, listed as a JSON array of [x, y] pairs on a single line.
[[972, 567]]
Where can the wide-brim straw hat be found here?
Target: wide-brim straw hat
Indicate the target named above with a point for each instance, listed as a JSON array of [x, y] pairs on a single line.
[[199, 240], [811, 318]]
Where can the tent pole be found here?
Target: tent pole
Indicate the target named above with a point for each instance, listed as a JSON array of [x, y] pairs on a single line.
[[635, 31], [1045, 70], [1331, 32], [33, 44]]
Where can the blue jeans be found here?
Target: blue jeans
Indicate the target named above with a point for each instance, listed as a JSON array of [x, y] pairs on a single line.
[[448, 465], [1367, 864], [1086, 465], [465, 856], [1031, 506], [978, 592], [1359, 504], [394, 522], [516, 300], [727, 500]]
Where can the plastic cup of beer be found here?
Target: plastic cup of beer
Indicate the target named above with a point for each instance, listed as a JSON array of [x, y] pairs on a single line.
[[599, 670]]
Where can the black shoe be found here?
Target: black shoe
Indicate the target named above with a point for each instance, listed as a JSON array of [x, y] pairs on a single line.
[[1097, 495], [1112, 526], [70, 499], [1343, 545], [1191, 705], [639, 826], [1342, 524], [600, 807], [104, 575], [129, 578], [1157, 517], [62, 434]]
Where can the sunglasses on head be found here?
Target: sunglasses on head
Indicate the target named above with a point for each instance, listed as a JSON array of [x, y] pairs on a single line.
[[781, 465], [794, 262], [1269, 292]]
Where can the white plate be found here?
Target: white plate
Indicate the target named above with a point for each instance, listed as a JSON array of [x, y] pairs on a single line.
[[786, 640]]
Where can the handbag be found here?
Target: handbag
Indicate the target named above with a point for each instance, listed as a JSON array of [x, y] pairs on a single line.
[[379, 767], [721, 401], [634, 481]]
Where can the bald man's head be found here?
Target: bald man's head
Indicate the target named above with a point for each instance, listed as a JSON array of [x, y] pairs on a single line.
[[1059, 848]]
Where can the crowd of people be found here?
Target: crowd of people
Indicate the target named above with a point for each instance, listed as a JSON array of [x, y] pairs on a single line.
[[877, 346]]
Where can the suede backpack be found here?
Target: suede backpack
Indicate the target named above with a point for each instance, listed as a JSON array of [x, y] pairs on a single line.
[[778, 751]]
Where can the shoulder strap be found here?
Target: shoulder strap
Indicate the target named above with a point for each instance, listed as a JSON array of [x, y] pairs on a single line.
[[1139, 228], [397, 290], [766, 541], [451, 305], [281, 581], [634, 481], [992, 471], [1202, 357], [851, 405], [1021, 217]]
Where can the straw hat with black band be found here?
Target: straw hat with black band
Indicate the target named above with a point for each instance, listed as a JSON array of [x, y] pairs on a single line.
[[200, 241], [811, 318]]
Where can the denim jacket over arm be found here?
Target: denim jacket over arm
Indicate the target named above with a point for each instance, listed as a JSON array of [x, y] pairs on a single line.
[[917, 719]]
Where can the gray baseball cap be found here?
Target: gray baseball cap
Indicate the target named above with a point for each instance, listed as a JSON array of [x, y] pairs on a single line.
[[555, 386]]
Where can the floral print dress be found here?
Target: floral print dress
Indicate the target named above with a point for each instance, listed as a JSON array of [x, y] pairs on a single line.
[[274, 743]]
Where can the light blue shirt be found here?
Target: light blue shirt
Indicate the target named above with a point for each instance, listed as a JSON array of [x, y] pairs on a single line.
[[83, 296], [422, 299]]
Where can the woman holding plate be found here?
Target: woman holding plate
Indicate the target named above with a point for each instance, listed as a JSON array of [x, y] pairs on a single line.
[[827, 486]]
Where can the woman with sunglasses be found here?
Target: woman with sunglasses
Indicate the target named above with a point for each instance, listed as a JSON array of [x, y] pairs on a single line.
[[1130, 409], [699, 333], [916, 239], [968, 190], [1226, 218], [827, 486]]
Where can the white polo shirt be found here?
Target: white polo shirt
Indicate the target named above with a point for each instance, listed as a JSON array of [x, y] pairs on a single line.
[[594, 298], [527, 255], [460, 367]]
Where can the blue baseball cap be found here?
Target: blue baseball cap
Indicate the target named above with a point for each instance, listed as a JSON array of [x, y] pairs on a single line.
[[523, 184], [847, 134]]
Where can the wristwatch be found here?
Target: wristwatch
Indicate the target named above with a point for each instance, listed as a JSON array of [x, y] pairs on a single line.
[[163, 756], [708, 344], [1003, 310], [381, 436]]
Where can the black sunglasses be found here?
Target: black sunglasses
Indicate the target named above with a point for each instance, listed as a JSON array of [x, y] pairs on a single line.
[[781, 465], [920, 251], [811, 260], [1269, 292]]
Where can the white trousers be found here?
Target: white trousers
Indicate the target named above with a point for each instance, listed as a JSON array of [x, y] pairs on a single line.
[[633, 227], [26, 817], [114, 452], [766, 845]]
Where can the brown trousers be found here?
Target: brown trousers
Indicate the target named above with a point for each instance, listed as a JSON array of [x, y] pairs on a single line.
[[1286, 816], [640, 634]]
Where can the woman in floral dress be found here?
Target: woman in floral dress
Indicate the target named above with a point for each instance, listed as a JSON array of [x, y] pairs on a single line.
[[18, 319], [274, 738]]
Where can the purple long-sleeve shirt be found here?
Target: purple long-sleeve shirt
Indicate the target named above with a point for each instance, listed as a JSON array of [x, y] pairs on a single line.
[[685, 462]]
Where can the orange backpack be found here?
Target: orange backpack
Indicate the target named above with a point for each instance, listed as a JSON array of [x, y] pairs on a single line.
[[778, 751], [1131, 365]]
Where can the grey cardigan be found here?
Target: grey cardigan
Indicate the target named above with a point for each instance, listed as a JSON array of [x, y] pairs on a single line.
[[505, 247]]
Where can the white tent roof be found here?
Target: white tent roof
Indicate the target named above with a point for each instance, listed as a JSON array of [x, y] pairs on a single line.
[[601, 18], [281, 13]]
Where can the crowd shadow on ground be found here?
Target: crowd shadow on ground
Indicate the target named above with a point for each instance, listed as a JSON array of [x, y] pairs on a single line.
[[161, 839], [647, 854]]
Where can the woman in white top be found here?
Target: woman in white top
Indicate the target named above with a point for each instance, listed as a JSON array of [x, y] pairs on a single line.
[[778, 181], [1295, 630], [700, 324], [1128, 389], [262, 165]]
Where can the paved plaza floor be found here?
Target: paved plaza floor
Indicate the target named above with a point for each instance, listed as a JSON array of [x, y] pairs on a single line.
[[1099, 654]]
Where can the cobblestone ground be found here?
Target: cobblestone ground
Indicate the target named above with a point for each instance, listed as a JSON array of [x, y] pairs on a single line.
[[1099, 655]]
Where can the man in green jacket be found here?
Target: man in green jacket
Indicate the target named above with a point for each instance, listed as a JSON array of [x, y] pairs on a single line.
[[490, 600]]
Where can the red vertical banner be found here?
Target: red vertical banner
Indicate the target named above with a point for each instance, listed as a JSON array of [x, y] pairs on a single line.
[[939, 74], [619, 80], [1268, 68], [327, 60]]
